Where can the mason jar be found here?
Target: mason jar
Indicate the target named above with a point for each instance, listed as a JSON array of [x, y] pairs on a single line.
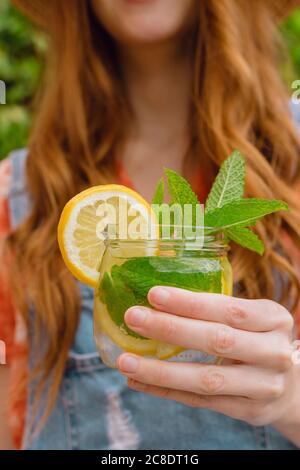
[[130, 268]]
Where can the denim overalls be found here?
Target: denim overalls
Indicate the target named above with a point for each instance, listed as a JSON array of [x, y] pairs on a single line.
[[96, 410]]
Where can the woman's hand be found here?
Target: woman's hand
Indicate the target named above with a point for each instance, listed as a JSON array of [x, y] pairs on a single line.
[[256, 383]]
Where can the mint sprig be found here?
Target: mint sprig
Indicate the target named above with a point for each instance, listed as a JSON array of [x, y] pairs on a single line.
[[242, 213], [228, 187], [229, 184], [180, 192], [158, 197], [246, 238], [179, 189], [226, 209]]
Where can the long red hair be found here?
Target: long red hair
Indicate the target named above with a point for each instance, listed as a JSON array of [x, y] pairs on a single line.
[[239, 101]]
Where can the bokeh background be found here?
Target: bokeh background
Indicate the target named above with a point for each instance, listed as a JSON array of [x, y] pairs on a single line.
[[22, 49]]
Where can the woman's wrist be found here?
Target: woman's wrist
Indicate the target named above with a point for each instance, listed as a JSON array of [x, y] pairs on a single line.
[[289, 423]]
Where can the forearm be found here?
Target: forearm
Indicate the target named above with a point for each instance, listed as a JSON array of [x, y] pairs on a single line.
[[289, 424], [6, 442]]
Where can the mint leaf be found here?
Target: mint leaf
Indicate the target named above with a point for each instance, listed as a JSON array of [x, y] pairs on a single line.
[[226, 209], [157, 201], [128, 285], [243, 212], [117, 298], [229, 183], [246, 238], [180, 190], [200, 275], [158, 197], [181, 193]]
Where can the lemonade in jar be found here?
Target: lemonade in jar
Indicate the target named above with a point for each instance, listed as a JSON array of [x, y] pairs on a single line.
[[116, 242], [128, 271]]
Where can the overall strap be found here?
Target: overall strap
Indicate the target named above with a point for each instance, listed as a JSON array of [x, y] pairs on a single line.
[[18, 199]]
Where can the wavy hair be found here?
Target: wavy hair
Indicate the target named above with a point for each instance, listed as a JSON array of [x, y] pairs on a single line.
[[239, 101]]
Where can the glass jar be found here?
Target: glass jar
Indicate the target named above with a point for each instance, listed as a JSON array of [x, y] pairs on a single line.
[[129, 268]]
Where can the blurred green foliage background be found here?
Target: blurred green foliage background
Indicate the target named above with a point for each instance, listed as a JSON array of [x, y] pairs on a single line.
[[22, 49]]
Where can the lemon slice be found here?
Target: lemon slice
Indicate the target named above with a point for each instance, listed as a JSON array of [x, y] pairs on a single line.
[[143, 347], [82, 248], [105, 324], [166, 351], [227, 277], [82, 224]]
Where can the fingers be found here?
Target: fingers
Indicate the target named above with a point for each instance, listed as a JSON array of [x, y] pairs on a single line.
[[258, 315], [237, 407], [203, 379], [270, 349]]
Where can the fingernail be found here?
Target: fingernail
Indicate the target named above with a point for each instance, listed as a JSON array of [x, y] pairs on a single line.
[[128, 363], [160, 295], [136, 316]]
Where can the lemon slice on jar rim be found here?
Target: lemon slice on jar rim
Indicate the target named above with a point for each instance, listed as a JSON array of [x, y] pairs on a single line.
[[80, 242], [82, 250]]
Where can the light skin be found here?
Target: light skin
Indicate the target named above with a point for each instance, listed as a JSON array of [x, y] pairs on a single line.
[[151, 141], [256, 381], [151, 36], [261, 388]]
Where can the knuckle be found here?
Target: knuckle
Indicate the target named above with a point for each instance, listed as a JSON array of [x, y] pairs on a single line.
[[284, 359], [276, 387], [253, 414], [222, 340], [284, 319], [160, 375], [211, 382], [165, 393], [168, 329], [197, 401], [194, 401], [193, 305], [235, 314]]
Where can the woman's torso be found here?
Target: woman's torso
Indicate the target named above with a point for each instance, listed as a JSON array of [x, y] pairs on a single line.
[[96, 410]]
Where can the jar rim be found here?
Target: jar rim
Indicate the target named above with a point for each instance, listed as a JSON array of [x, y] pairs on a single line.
[[201, 231], [215, 242]]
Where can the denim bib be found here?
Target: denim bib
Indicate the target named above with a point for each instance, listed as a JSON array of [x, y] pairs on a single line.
[[96, 410]]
